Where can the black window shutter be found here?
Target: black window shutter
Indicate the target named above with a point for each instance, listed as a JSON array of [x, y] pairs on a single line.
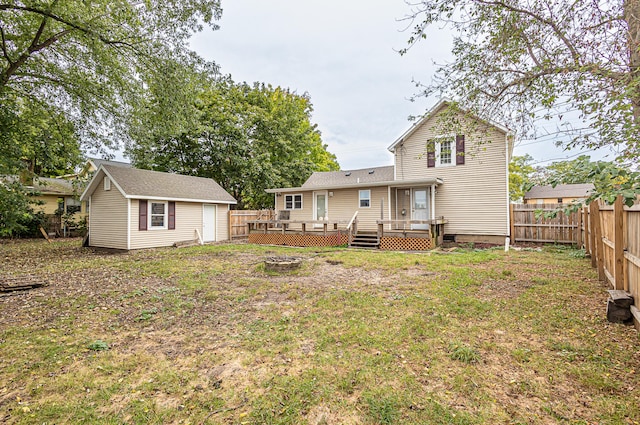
[[431, 154], [460, 149], [172, 215], [142, 214]]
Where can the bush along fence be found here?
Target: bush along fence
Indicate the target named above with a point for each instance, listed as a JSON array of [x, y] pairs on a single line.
[[610, 235]]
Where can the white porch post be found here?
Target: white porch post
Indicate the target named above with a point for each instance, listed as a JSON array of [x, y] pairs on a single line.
[[433, 202]]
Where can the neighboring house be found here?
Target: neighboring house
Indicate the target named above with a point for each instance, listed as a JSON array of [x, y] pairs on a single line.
[[561, 194], [56, 196], [458, 172], [132, 208], [92, 165]]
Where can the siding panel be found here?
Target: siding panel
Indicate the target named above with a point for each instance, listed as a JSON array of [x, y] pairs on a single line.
[[222, 222], [473, 197], [108, 219], [188, 219]]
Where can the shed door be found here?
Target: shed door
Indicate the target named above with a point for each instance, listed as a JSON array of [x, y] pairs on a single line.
[[420, 208], [209, 223]]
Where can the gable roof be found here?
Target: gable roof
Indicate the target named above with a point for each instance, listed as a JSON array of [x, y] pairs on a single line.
[[431, 112], [146, 184], [339, 178], [560, 191], [52, 186], [97, 162]]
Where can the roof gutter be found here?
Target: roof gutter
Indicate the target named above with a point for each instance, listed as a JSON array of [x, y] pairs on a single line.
[[394, 183]]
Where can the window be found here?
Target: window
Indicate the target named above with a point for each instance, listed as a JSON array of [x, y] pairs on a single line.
[[158, 216], [107, 183], [445, 152], [73, 206], [292, 202], [364, 197], [559, 200]]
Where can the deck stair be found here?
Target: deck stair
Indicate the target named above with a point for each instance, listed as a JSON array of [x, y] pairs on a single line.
[[365, 240]]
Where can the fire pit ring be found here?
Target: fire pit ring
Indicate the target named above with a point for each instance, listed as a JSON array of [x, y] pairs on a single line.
[[282, 264]]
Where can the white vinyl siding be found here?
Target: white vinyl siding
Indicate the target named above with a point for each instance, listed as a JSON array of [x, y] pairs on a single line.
[[222, 222], [341, 207], [108, 219], [473, 197], [188, 219]]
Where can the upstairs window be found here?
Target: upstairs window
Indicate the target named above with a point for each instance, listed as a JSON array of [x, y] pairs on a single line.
[[446, 151], [292, 202], [364, 198]]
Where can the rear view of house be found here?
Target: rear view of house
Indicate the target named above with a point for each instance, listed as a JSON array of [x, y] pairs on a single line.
[[132, 209]]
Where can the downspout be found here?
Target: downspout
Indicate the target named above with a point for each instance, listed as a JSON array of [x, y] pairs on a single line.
[[128, 224], [506, 155]]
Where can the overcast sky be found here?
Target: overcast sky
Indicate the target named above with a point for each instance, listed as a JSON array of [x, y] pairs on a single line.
[[343, 53]]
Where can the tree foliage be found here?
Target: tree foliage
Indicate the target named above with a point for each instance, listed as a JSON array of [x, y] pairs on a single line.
[[520, 176], [512, 57], [74, 74], [246, 137], [89, 61]]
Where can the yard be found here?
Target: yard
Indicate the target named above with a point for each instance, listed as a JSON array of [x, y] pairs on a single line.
[[206, 335]]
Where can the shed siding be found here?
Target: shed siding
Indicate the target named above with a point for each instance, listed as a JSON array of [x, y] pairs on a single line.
[[108, 219], [188, 219], [473, 197], [222, 222]]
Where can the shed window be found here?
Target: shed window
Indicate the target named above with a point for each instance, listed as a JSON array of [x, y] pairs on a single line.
[[292, 202], [158, 216], [364, 198]]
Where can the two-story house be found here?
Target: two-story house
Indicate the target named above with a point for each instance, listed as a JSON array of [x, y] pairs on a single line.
[[450, 165]]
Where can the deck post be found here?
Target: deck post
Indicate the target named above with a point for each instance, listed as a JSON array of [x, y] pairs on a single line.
[[304, 229]]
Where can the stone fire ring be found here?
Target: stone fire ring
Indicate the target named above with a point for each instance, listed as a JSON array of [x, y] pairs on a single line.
[[282, 264]]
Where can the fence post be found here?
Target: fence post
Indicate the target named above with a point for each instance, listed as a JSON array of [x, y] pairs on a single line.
[[578, 235], [585, 234], [597, 237], [592, 234], [512, 227], [618, 253]]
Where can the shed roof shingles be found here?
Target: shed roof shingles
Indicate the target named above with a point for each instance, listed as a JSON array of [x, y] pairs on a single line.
[[146, 183]]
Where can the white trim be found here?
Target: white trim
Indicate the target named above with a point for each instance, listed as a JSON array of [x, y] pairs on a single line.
[[361, 199], [438, 150], [433, 201], [392, 183], [106, 184], [389, 202], [129, 224], [197, 201], [293, 202], [150, 214], [315, 206], [506, 161]]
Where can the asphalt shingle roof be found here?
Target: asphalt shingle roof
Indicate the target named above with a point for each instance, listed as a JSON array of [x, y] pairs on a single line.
[[348, 177], [560, 191], [146, 183]]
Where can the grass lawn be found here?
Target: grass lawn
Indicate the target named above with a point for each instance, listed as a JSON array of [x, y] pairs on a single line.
[[206, 335]]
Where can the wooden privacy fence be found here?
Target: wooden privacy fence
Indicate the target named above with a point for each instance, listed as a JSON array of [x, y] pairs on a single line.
[[613, 242], [238, 219], [528, 224]]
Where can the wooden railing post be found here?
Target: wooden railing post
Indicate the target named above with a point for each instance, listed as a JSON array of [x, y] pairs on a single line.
[[618, 242]]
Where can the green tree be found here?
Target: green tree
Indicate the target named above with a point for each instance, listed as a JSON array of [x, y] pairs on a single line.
[[246, 137], [512, 57], [73, 73], [521, 174]]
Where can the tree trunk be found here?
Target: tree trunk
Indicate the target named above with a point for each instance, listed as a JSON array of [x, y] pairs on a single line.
[[632, 17]]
